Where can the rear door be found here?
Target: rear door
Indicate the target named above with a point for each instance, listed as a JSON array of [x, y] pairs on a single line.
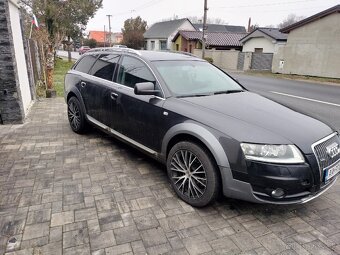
[[140, 116], [83, 67], [102, 105]]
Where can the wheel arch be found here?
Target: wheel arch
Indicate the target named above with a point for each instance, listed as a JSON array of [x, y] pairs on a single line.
[[74, 92], [198, 134]]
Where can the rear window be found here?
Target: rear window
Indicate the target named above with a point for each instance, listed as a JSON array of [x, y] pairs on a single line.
[[85, 63], [105, 66]]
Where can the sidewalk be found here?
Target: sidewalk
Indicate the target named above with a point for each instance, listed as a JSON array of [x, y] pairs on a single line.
[[63, 193]]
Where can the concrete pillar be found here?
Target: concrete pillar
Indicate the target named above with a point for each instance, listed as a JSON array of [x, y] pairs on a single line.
[[247, 61]]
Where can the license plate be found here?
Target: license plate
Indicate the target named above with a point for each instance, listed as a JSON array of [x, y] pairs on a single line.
[[333, 171]]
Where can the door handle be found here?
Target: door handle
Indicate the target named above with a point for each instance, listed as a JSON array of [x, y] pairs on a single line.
[[83, 84], [114, 95]]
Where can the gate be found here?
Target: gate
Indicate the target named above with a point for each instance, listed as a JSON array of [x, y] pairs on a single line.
[[261, 61]]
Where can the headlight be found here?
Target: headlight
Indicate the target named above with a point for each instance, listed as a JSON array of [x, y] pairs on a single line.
[[286, 154]]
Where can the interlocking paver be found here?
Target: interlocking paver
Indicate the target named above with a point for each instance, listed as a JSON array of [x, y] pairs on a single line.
[[62, 218], [126, 234], [36, 230], [75, 237], [63, 193]]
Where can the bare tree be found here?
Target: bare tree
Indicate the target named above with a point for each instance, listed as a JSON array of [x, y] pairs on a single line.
[[291, 19]]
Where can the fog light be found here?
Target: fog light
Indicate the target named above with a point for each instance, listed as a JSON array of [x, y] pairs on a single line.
[[278, 193]]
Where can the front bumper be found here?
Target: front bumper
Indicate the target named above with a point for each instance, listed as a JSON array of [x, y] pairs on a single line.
[[300, 183]]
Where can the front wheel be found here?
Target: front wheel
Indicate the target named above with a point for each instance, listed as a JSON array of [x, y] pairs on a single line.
[[76, 116], [193, 173]]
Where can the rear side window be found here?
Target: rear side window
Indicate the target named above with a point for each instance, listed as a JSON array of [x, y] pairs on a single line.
[[85, 63], [133, 71], [105, 66]]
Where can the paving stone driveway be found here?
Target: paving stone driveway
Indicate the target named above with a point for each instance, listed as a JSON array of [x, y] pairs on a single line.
[[63, 193]]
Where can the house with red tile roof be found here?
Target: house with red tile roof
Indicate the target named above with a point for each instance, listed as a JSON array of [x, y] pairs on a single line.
[[103, 38]]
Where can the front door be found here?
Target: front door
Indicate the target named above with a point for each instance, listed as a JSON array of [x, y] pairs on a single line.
[[140, 116]]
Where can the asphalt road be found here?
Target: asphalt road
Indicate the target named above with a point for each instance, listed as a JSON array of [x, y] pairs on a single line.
[[64, 54], [320, 101]]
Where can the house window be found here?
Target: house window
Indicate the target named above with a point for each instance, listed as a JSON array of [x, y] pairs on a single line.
[[177, 47], [145, 45], [163, 45], [190, 48], [258, 50], [152, 45]]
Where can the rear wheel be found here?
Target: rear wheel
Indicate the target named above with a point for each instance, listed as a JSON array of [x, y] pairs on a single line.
[[193, 173], [76, 116]]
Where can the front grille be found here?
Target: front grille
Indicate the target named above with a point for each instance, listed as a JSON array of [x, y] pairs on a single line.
[[320, 151]]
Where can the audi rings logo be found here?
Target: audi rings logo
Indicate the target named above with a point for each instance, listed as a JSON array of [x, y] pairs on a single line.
[[333, 150]]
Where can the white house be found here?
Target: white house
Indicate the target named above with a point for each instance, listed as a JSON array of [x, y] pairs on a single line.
[[159, 36], [264, 40]]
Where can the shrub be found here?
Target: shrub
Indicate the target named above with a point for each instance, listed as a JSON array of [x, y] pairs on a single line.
[[209, 59]]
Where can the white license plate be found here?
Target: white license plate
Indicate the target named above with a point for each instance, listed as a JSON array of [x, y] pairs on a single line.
[[333, 171]]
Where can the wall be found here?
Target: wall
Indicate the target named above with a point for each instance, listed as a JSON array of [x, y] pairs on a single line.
[[15, 95], [157, 44], [20, 56], [184, 44], [314, 49], [259, 42], [277, 58], [225, 59]]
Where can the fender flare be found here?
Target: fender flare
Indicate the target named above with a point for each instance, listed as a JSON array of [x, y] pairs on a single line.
[[75, 91], [201, 133]]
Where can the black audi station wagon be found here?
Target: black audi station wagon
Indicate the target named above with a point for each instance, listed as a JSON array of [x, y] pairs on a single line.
[[214, 136]]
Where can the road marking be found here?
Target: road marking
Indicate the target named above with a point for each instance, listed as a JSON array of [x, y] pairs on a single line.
[[305, 98]]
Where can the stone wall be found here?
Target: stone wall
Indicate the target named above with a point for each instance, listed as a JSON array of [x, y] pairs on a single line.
[[11, 106]]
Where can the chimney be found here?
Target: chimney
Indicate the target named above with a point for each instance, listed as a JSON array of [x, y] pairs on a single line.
[[249, 25]]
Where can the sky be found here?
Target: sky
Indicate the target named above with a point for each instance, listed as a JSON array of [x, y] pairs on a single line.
[[233, 12]]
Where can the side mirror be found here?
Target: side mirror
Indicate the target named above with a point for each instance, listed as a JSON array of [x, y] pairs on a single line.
[[145, 88]]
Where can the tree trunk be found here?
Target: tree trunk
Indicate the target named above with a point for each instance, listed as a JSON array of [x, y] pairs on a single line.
[[69, 48], [50, 67]]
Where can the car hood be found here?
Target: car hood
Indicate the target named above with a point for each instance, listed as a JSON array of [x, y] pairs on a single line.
[[249, 117]]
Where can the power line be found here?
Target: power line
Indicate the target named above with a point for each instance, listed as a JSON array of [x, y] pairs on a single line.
[[140, 7], [265, 4]]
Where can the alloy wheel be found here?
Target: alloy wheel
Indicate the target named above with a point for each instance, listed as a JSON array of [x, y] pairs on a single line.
[[188, 174], [74, 115]]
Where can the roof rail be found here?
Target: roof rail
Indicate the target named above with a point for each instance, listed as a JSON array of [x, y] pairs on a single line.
[[182, 52], [113, 49]]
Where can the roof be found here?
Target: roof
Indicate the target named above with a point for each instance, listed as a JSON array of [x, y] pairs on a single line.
[[163, 29], [148, 54], [166, 55], [274, 33], [99, 36], [214, 38], [220, 28], [334, 9]]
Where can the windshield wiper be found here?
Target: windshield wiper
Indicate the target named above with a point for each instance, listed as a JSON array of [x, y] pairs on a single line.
[[195, 95], [228, 91]]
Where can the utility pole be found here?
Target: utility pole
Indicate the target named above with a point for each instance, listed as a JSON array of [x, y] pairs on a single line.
[[104, 36], [109, 16], [204, 27]]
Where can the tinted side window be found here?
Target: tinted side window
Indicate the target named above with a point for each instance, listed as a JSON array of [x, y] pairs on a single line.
[[85, 63], [105, 66], [133, 71]]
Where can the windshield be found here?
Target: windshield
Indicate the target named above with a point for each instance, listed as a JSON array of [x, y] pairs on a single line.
[[187, 78]]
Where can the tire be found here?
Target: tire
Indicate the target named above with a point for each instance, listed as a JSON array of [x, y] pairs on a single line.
[[193, 174], [76, 116]]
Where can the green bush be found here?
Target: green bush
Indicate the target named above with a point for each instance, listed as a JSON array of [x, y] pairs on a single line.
[[209, 59]]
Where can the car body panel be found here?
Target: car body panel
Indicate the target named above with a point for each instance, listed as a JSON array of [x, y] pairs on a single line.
[[264, 115]]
